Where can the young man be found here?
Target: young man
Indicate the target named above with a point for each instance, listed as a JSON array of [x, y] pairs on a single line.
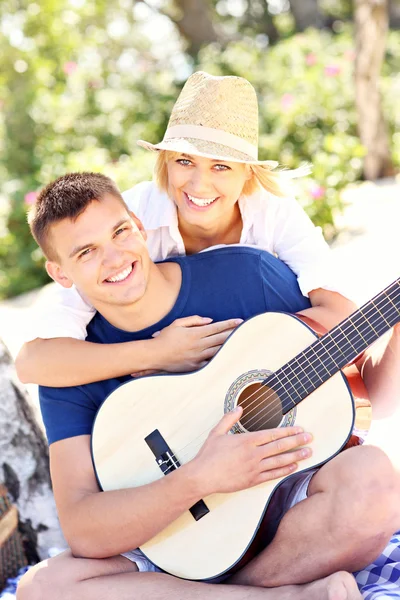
[[350, 506]]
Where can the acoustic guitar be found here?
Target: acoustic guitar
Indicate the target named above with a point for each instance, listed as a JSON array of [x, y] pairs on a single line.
[[282, 373]]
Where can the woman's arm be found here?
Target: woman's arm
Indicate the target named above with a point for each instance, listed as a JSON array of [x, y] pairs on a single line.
[[378, 365], [185, 345], [328, 308]]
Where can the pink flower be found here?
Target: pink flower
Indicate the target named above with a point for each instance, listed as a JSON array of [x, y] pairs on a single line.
[[332, 70], [317, 191], [69, 67], [30, 197], [287, 101], [311, 59]]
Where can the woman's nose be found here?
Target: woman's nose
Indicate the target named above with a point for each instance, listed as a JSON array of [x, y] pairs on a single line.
[[200, 181]]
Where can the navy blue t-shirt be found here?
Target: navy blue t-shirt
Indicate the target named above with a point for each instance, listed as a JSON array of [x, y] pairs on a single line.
[[229, 282]]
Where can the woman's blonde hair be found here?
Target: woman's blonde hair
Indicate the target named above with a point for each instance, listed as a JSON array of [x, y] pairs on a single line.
[[276, 182]]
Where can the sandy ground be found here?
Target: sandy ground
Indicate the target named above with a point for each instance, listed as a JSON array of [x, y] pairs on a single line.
[[367, 251]]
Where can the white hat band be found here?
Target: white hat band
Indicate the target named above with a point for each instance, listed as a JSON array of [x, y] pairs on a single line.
[[209, 134]]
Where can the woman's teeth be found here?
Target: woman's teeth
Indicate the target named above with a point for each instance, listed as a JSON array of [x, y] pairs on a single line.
[[201, 201], [121, 276]]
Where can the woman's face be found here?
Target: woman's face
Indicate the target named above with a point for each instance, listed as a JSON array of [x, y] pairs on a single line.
[[205, 190]]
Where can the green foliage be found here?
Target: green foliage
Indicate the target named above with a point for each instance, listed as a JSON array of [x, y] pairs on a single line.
[[307, 113], [79, 87]]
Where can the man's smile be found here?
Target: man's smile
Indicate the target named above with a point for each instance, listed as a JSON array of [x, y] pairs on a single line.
[[121, 275]]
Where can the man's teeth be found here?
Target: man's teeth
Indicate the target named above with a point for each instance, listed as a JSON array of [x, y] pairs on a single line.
[[121, 276], [201, 201]]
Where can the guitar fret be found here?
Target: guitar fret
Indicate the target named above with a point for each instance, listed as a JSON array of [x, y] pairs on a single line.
[[291, 386], [293, 372], [304, 373], [343, 343]]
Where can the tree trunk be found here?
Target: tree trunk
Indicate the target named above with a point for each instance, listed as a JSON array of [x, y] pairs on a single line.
[[306, 13], [195, 24], [394, 14], [24, 465], [371, 23]]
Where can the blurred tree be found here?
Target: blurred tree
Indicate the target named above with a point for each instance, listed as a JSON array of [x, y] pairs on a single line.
[[307, 13], [81, 82], [371, 24], [194, 21], [73, 85], [394, 14]]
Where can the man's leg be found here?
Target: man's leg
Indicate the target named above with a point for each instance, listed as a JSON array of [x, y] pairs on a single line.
[[350, 514], [68, 578]]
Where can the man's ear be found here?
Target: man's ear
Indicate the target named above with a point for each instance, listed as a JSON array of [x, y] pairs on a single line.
[[55, 272], [138, 224]]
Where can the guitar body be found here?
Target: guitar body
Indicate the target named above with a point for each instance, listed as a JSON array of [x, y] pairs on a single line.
[[185, 407]]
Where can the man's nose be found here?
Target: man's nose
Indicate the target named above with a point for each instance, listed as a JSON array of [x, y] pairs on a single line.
[[113, 256]]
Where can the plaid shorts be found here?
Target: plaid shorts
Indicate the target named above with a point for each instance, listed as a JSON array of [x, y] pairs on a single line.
[[381, 579]]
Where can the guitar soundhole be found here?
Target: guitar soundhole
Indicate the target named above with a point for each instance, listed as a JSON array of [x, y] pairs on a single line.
[[262, 407]]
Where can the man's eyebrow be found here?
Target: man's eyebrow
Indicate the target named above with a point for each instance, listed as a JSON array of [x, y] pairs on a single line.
[[78, 249]]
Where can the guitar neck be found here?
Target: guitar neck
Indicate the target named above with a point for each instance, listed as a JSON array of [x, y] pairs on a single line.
[[298, 378]]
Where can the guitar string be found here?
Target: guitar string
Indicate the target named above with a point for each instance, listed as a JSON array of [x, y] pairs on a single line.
[[318, 362], [276, 413], [310, 363], [247, 424], [363, 318], [266, 396]]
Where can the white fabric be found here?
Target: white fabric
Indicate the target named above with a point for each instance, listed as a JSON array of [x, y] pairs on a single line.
[[209, 134], [142, 563], [279, 225]]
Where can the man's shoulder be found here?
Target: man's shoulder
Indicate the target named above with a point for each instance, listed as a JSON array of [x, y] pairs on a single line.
[[229, 254]]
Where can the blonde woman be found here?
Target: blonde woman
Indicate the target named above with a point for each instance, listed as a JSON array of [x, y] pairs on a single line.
[[209, 189]]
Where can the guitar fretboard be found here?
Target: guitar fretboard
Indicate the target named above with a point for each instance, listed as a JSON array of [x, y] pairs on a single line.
[[326, 356]]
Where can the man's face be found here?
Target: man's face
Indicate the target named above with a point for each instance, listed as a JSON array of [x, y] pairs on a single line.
[[103, 253]]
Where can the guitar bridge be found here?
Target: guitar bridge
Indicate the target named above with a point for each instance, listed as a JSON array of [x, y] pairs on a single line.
[[168, 462]]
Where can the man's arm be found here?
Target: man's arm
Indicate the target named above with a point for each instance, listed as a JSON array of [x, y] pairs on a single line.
[[185, 345], [100, 524]]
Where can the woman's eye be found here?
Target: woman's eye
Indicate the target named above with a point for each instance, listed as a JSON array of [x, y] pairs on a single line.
[[120, 230], [184, 162], [222, 167]]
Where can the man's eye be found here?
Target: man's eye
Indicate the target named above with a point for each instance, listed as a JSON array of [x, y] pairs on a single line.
[[85, 252], [121, 230]]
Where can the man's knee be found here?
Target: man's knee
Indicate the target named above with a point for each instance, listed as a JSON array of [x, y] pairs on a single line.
[[35, 584], [364, 490]]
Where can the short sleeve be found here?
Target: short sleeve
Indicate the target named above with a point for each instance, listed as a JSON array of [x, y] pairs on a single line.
[[62, 313], [301, 245], [66, 412]]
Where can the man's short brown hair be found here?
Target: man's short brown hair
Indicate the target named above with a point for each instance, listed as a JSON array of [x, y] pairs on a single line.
[[66, 198]]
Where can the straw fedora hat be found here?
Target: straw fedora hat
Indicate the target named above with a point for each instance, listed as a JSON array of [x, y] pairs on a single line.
[[215, 117]]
